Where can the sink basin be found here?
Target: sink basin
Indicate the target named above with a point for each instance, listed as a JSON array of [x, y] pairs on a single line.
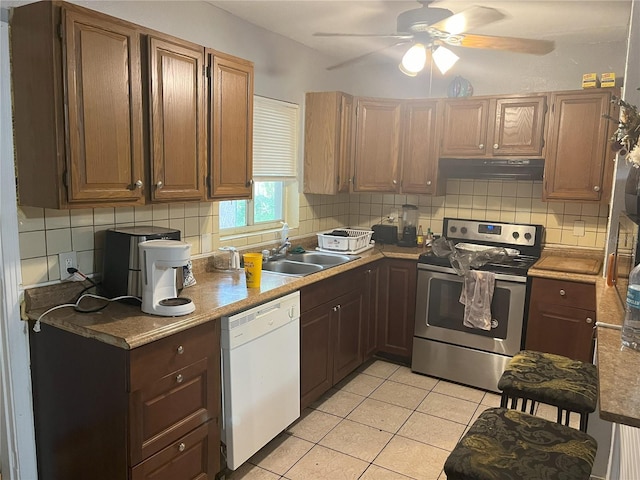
[[321, 258], [301, 264], [288, 267]]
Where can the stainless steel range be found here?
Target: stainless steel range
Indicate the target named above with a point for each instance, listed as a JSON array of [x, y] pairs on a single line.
[[442, 346]]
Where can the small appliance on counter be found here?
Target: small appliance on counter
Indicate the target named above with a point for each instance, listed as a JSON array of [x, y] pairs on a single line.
[[122, 268], [408, 226], [161, 260], [387, 234]]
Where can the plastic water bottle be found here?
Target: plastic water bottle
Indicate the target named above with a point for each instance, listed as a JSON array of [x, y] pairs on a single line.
[[631, 325]]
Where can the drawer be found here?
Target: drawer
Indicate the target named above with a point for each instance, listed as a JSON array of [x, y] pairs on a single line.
[[326, 290], [166, 410], [158, 359], [561, 292], [192, 456]]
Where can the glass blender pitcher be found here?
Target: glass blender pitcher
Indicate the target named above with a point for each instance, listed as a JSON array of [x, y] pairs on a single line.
[[408, 225]]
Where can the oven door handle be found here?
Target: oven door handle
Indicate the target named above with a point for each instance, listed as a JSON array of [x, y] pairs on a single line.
[[449, 270]]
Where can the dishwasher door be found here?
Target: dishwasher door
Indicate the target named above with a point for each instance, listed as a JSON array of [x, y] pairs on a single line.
[[260, 375]]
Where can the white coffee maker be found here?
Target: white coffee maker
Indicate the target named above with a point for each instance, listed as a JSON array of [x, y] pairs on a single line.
[[160, 258]]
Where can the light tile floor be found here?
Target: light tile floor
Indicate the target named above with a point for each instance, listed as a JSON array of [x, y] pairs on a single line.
[[382, 422]]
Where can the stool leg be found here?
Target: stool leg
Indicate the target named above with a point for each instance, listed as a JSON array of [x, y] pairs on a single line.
[[584, 419], [503, 400], [533, 407], [559, 417], [567, 418]]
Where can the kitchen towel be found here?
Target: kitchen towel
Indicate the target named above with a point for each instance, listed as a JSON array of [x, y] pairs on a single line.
[[476, 296]]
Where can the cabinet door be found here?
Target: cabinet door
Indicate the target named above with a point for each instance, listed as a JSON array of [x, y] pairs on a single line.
[[316, 354], [519, 126], [420, 147], [231, 123], [328, 152], [398, 308], [103, 87], [347, 316], [177, 120], [561, 330], [465, 128], [377, 148], [372, 291], [576, 165]]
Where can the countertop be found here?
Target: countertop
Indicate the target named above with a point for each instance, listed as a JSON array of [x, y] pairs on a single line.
[[215, 294]]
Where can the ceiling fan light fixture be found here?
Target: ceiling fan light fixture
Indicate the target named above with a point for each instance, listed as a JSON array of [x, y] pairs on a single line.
[[444, 59], [414, 60]]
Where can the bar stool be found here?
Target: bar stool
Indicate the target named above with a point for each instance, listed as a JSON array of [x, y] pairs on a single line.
[[569, 385], [511, 445]]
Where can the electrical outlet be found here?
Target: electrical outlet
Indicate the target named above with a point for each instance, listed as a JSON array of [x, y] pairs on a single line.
[[67, 260]]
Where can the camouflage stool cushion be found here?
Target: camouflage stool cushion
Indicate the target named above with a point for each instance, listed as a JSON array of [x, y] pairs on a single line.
[[507, 444], [568, 384]]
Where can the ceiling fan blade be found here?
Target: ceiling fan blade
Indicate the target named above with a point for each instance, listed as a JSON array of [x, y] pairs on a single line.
[[376, 35], [512, 44], [467, 20], [359, 58]]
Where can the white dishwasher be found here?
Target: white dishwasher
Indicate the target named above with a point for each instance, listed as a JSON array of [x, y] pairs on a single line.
[[260, 375]]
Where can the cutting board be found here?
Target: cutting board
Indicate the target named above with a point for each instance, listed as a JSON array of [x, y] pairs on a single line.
[[588, 266]]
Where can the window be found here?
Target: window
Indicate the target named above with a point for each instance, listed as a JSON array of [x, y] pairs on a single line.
[[275, 148]]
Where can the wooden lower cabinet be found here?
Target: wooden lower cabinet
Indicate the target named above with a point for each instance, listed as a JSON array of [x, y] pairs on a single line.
[[397, 308], [331, 322], [373, 287], [562, 318], [110, 413]]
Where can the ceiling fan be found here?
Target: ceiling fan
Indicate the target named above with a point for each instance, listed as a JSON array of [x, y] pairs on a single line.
[[429, 29]]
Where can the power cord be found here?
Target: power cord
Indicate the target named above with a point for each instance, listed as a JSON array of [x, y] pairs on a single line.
[[36, 327]]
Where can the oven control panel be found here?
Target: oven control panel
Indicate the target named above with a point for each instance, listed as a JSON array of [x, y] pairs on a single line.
[[506, 233]]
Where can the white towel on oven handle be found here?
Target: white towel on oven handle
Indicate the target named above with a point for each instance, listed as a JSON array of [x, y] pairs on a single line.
[[476, 296]]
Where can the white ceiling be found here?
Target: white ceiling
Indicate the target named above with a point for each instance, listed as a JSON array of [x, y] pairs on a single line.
[[567, 22]]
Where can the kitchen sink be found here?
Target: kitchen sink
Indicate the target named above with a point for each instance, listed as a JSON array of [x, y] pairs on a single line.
[[321, 258], [301, 264], [288, 267]]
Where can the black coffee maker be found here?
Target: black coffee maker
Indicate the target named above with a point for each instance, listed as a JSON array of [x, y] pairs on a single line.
[[408, 226]]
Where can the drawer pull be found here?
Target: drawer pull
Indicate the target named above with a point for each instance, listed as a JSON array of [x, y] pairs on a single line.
[[181, 447], [180, 349], [589, 319], [562, 293], [179, 378]]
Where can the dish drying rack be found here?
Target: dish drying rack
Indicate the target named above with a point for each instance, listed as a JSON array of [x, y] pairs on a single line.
[[356, 241]]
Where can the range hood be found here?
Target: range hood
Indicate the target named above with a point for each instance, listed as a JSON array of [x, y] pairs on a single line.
[[491, 169]]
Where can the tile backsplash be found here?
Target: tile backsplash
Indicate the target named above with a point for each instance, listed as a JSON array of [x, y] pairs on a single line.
[[44, 233]]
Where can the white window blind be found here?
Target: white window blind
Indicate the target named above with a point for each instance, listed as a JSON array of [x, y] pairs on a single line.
[[275, 139]]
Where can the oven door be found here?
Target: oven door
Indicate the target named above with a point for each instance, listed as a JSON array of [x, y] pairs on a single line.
[[439, 313]]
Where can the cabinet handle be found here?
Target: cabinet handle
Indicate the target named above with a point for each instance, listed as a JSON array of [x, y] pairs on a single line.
[[496, 146], [563, 293], [596, 188], [428, 182], [181, 447], [335, 309], [159, 185], [249, 182], [589, 319], [180, 349], [179, 378], [395, 182], [481, 146], [138, 184]]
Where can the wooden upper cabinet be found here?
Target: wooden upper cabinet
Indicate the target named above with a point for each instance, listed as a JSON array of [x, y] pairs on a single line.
[[231, 126], [577, 166], [464, 129], [494, 127], [328, 152], [420, 147], [377, 145], [177, 120], [519, 126], [94, 154]]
